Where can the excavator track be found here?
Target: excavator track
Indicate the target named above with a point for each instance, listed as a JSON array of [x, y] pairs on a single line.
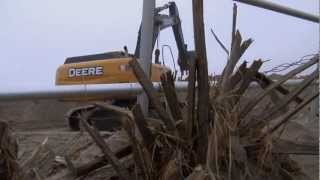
[[102, 119]]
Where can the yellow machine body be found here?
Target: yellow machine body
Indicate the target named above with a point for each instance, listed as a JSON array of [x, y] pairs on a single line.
[[108, 71], [102, 71]]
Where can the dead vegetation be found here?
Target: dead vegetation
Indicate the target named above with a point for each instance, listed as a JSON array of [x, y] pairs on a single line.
[[212, 135], [241, 144]]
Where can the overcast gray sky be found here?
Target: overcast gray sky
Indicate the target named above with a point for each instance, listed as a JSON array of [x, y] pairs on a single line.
[[37, 35]]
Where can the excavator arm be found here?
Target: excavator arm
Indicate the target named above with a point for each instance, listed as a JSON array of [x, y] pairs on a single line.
[[163, 21]]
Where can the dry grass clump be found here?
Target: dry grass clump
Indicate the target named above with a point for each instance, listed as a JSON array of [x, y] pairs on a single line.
[[240, 143]]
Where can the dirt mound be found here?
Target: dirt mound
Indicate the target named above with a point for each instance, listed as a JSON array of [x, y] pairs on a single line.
[[35, 115]]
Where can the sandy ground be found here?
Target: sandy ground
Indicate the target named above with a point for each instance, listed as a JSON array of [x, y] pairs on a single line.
[[32, 122]]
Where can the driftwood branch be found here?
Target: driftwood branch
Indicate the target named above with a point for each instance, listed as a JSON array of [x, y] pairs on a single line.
[[247, 108], [289, 114], [273, 94], [219, 42], [287, 99], [99, 162], [237, 50], [147, 136], [191, 100], [110, 156], [232, 61], [284, 102], [234, 23], [142, 157], [152, 94], [246, 80], [238, 75], [27, 164], [202, 78], [265, 82], [167, 82]]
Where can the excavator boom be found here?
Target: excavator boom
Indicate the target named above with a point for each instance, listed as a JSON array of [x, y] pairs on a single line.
[[163, 21]]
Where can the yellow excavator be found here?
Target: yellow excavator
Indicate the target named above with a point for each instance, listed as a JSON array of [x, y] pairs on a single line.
[[114, 68]]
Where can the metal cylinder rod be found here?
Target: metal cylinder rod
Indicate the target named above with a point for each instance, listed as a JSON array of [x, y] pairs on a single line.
[[102, 91], [281, 9]]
